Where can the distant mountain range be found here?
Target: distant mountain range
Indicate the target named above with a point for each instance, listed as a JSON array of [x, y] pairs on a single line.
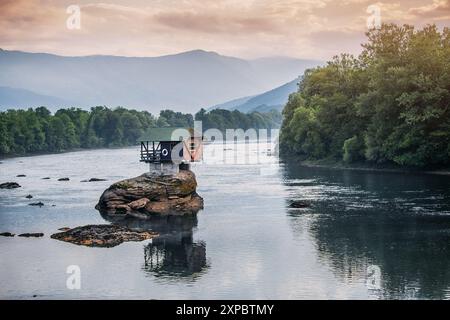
[[184, 82], [12, 97], [274, 99]]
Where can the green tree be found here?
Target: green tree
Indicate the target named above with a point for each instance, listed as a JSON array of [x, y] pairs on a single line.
[[390, 105]]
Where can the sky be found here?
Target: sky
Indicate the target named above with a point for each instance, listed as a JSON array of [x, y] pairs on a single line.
[[314, 29]]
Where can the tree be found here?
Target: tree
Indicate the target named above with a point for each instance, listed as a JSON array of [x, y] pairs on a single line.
[[391, 104]]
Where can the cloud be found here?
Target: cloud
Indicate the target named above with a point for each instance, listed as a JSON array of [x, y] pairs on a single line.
[[215, 23], [246, 28], [335, 40], [439, 9]]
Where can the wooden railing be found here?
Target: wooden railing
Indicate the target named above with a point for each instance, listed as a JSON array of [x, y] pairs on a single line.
[[150, 152]]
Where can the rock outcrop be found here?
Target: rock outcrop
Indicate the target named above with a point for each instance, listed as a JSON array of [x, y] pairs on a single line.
[[36, 204], [93, 180], [106, 235], [299, 204], [34, 235], [7, 234], [9, 185], [152, 194]]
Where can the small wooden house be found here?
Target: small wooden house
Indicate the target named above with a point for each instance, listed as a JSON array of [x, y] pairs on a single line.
[[170, 149]]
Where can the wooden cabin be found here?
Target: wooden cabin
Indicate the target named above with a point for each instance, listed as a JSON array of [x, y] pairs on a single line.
[[159, 144]]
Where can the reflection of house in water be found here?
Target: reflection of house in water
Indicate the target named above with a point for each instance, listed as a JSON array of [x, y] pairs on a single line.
[[174, 253]]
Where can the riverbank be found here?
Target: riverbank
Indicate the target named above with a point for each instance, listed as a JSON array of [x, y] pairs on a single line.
[[332, 164], [34, 154]]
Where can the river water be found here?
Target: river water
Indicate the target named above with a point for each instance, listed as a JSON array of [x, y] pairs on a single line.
[[362, 235]]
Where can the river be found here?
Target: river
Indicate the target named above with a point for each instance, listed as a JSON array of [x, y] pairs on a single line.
[[363, 235]]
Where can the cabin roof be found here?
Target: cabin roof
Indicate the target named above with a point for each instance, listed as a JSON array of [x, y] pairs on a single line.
[[167, 134]]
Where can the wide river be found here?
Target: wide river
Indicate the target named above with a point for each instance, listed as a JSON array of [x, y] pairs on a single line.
[[362, 236]]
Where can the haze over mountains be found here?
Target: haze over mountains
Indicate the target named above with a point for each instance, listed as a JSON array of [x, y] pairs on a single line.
[[184, 82], [274, 99]]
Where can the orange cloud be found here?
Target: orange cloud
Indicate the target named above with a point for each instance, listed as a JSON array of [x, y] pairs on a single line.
[[439, 9], [252, 28]]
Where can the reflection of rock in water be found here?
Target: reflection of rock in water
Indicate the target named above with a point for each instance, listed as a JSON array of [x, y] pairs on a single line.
[[175, 256], [174, 253], [361, 220], [160, 224]]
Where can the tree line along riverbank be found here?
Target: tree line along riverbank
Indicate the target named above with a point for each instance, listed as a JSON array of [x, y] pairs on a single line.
[[38, 131], [388, 106]]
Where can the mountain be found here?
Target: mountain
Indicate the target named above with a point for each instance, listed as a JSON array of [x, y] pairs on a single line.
[[230, 105], [267, 101], [20, 98], [184, 81]]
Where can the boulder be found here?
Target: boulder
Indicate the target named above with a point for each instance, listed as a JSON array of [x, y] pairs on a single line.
[[151, 194], [138, 204], [9, 185], [63, 179], [93, 180], [34, 235], [7, 234], [107, 235], [36, 204], [299, 204]]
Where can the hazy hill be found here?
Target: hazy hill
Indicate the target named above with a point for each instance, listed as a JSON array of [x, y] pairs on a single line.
[[19, 98], [185, 81], [273, 99]]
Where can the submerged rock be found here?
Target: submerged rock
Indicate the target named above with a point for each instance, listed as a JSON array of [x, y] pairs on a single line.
[[152, 194], [21, 176], [28, 235], [29, 196], [93, 180], [46, 178], [96, 179], [299, 204], [37, 204], [9, 185], [107, 235], [64, 229], [7, 234], [63, 179]]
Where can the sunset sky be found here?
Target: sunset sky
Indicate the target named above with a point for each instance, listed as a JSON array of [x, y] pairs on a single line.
[[314, 29]]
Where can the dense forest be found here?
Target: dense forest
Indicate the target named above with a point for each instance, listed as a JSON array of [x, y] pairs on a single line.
[[225, 119], [39, 131], [390, 105]]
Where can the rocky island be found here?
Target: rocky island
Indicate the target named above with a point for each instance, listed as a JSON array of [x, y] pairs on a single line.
[[152, 194], [102, 235]]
